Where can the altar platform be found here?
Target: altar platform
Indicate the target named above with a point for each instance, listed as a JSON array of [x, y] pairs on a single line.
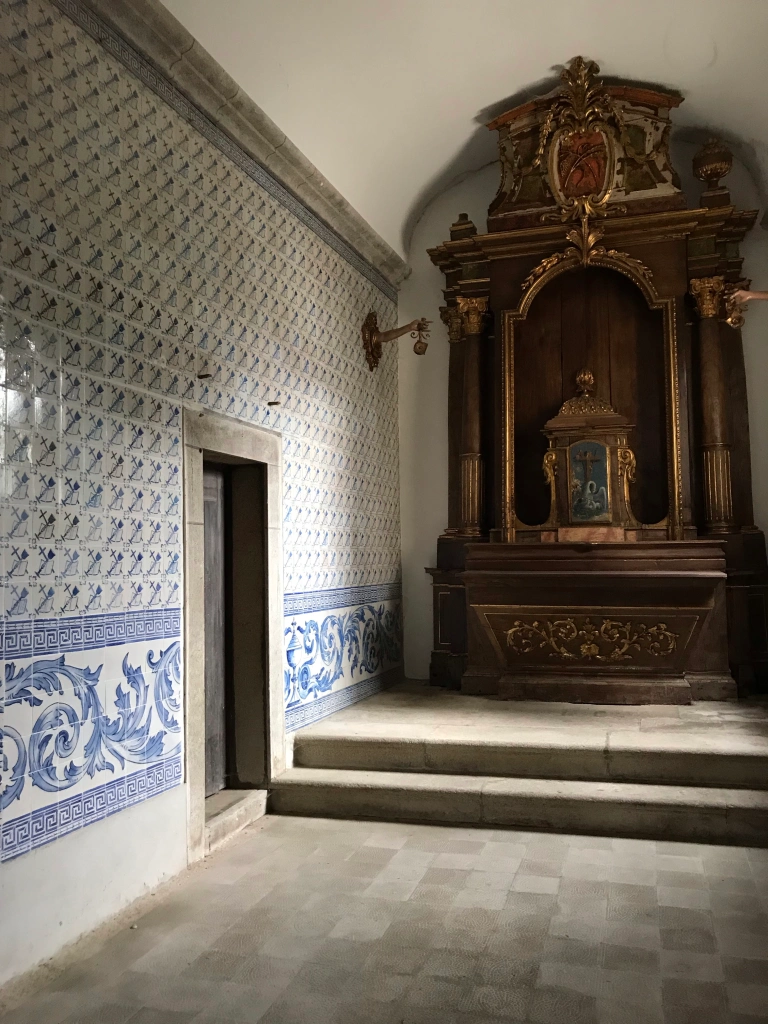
[[694, 773]]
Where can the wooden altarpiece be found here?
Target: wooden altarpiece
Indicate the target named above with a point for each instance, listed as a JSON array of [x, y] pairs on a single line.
[[600, 546]]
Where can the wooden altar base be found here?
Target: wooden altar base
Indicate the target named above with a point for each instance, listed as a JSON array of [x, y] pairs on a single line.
[[582, 689], [598, 623]]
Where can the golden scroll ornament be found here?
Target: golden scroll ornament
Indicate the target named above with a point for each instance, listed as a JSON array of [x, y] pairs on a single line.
[[610, 642]]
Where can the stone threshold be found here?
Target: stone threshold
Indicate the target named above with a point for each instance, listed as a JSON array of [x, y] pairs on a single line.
[[230, 811]]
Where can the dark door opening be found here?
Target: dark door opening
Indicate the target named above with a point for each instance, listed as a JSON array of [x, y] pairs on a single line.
[[217, 589], [234, 515]]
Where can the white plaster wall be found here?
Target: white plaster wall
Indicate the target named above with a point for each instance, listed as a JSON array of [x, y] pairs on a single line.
[[423, 389], [746, 196], [423, 384], [61, 891], [389, 99]]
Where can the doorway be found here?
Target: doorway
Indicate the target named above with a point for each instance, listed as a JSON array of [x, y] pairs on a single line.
[[217, 530], [233, 623], [234, 522]]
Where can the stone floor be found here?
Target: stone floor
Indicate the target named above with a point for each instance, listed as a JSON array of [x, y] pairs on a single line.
[[309, 921], [415, 710]]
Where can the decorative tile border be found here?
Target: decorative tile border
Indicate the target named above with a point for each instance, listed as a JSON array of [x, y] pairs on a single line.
[[326, 652], [343, 597], [30, 637], [306, 714], [155, 80], [25, 833]]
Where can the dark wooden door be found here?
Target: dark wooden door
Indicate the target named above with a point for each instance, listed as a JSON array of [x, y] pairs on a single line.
[[215, 629]]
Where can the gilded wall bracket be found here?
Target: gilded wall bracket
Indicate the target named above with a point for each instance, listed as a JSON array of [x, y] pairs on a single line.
[[735, 308], [374, 339]]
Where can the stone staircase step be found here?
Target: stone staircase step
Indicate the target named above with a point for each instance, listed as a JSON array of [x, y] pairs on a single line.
[[621, 756], [677, 813]]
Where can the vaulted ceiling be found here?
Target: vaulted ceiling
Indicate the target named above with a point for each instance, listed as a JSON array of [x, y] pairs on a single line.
[[388, 98]]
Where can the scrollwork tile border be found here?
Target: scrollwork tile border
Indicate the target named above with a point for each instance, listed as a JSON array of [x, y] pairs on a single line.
[[306, 714]]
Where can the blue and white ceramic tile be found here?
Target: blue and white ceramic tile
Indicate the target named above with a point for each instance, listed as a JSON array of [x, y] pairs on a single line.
[[327, 649], [141, 249]]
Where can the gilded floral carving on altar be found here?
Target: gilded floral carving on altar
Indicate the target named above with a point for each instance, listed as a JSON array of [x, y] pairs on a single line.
[[609, 642]]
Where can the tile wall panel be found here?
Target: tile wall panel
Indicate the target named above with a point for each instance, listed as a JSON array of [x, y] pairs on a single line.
[[147, 264]]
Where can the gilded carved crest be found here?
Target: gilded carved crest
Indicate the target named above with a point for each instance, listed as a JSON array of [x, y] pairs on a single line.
[[586, 141], [581, 152]]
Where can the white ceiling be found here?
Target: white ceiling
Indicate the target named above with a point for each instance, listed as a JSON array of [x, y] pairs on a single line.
[[388, 98]]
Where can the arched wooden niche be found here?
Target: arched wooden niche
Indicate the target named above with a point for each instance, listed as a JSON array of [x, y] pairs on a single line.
[[606, 316], [591, 317]]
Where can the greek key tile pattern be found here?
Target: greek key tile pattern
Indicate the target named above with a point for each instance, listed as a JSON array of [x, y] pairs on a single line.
[[146, 264]]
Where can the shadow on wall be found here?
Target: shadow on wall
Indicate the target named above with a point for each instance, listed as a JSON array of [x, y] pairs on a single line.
[[423, 410], [478, 152], [423, 382]]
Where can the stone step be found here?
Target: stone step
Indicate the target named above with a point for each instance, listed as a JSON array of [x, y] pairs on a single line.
[[678, 813], [621, 756]]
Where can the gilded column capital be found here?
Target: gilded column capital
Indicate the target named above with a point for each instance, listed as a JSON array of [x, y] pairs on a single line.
[[473, 311], [451, 317], [707, 292]]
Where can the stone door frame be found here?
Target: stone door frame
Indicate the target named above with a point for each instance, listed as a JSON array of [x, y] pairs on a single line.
[[213, 434]]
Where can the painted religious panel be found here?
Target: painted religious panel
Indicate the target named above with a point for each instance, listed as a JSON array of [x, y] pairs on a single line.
[[581, 164], [588, 475]]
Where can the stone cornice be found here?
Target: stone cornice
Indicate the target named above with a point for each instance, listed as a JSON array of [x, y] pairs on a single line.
[[152, 30]]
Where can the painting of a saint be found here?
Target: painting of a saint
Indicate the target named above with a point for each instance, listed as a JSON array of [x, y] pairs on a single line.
[[590, 499]]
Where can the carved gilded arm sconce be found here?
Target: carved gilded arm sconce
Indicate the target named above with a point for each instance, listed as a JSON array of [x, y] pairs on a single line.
[[735, 308], [374, 339]]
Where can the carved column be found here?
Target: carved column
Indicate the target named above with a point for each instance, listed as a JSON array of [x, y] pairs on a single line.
[[473, 312], [452, 319], [716, 449]]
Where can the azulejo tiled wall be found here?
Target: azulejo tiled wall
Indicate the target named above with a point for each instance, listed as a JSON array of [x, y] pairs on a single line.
[[140, 250]]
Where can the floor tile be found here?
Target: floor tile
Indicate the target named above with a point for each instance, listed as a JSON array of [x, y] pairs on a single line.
[[562, 1006], [536, 884], [392, 923], [630, 958], [751, 1000], [701, 994], [575, 978], [681, 963]]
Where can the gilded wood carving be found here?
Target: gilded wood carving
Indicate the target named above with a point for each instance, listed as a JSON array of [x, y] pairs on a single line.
[[374, 339], [611, 641]]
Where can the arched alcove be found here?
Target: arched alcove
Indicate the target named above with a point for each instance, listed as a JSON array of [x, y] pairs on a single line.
[[597, 318]]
